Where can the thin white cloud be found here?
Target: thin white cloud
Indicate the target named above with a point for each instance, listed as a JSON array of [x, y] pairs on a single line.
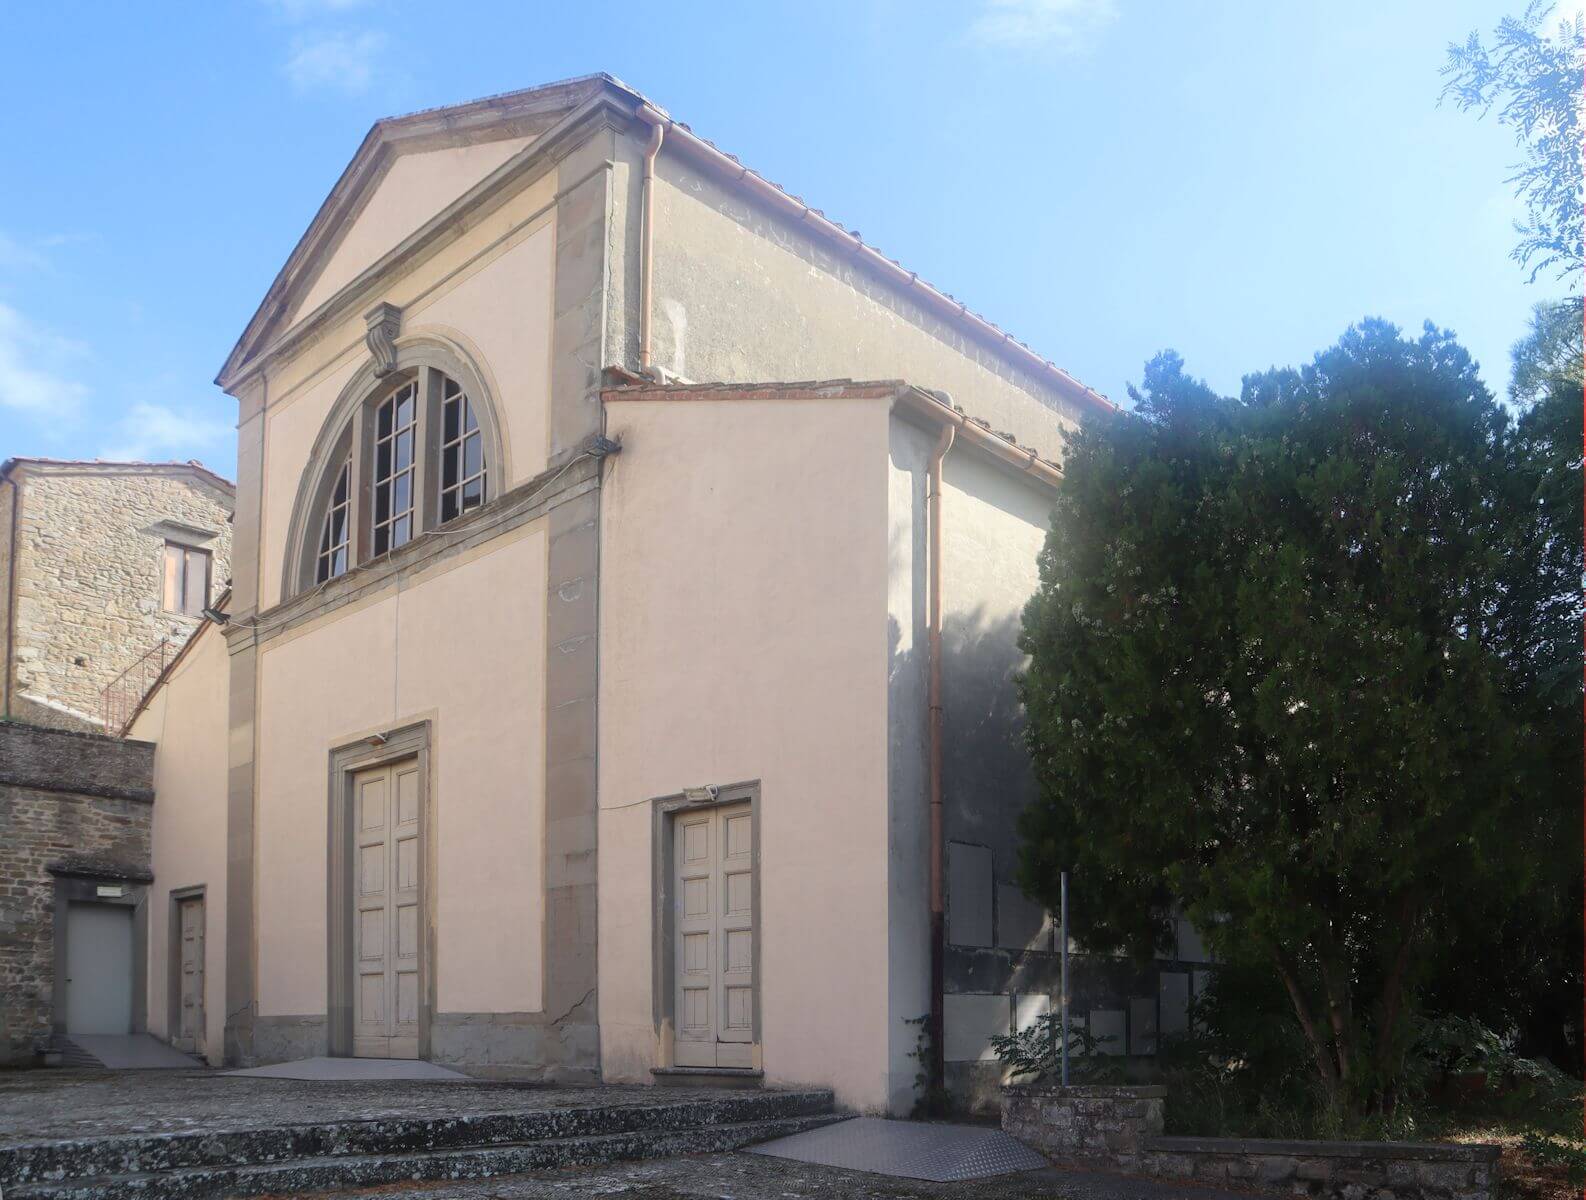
[[16, 255], [36, 369], [158, 431], [344, 61], [1066, 26], [305, 10]]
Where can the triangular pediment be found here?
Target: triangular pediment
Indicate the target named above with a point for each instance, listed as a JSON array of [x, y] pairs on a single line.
[[407, 171]]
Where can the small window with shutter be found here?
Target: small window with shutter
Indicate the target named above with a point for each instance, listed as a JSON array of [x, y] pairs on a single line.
[[186, 579]]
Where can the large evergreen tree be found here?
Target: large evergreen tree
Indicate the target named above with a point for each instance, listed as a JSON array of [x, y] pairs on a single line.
[[1280, 680]]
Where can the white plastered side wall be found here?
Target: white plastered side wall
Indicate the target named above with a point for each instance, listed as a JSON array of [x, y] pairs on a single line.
[[186, 719], [743, 622]]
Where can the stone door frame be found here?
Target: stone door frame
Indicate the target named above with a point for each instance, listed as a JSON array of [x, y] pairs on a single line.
[[173, 968], [408, 741], [663, 921], [84, 887]]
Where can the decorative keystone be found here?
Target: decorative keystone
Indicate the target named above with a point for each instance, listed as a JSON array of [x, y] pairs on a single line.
[[385, 323]]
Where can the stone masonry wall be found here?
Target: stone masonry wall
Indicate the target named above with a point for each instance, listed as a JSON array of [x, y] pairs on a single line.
[[1121, 1127], [90, 576], [77, 803]]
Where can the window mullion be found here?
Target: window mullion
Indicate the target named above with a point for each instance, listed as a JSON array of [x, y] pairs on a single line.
[[359, 504], [426, 438]]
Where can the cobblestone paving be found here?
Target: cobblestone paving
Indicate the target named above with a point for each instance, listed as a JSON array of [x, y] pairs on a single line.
[[754, 1177], [51, 1104]]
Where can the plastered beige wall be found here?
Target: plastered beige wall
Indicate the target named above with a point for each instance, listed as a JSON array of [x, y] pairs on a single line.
[[743, 618], [416, 186], [490, 294], [186, 719], [463, 647], [741, 295]]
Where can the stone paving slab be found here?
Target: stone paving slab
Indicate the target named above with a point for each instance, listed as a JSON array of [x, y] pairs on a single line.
[[39, 1105], [351, 1069], [746, 1176], [910, 1149], [134, 1051]]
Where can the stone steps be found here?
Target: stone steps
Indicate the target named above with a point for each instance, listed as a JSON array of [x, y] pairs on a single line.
[[281, 1160]]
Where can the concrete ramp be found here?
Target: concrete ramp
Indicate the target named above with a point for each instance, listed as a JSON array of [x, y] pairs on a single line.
[[127, 1052], [908, 1149], [352, 1069]]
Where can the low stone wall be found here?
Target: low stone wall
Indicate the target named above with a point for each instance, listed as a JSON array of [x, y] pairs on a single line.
[[1381, 1170], [1122, 1127], [1084, 1123]]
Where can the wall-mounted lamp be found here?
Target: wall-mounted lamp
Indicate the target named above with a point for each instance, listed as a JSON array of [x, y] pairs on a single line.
[[700, 795], [377, 739], [218, 617], [599, 446]]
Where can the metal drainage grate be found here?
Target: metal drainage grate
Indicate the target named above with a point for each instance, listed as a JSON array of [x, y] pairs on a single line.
[[941, 1153]]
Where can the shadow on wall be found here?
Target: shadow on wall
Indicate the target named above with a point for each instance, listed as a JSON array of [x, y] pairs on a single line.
[[987, 781]]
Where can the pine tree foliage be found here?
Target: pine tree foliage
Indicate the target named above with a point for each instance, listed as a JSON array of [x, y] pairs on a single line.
[[1282, 681], [1532, 75]]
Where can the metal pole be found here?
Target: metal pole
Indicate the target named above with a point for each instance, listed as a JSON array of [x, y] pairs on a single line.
[[1063, 890]]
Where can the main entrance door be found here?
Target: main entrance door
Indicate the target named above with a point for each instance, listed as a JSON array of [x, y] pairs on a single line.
[[713, 949], [98, 968], [386, 911], [190, 1017]]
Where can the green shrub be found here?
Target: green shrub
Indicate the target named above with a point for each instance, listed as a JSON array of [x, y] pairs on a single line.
[[1036, 1050]]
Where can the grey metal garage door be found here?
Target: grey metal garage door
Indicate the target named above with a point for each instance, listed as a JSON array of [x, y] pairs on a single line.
[[98, 968]]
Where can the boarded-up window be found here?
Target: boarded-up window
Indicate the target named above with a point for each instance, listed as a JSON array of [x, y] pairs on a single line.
[[186, 579]]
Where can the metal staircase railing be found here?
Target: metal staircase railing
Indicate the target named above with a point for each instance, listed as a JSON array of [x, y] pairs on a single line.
[[122, 694]]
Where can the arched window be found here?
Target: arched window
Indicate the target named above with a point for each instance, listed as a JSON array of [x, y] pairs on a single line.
[[336, 535], [401, 454]]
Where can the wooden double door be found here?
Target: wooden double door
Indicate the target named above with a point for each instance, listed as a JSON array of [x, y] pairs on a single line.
[[387, 917], [714, 941]]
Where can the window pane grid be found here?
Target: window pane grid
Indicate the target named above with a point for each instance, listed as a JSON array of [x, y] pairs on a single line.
[[462, 453], [335, 536], [186, 583], [396, 432]]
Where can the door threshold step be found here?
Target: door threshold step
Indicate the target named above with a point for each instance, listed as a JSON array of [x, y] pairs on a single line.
[[711, 1077], [339, 1172]]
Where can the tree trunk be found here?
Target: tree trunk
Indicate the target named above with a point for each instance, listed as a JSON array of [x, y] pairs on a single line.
[[1326, 1064]]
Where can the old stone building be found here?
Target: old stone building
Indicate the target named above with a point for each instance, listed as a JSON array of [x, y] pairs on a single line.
[[101, 563], [75, 827], [575, 720]]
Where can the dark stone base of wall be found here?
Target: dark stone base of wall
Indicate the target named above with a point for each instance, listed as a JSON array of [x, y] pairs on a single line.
[[286, 1039], [518, 1046], [509, 1046], [1121, 1127]]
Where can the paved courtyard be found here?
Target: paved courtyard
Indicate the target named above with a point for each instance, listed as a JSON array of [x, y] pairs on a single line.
[[56, 1104], [743, 1176], [52, 1105]]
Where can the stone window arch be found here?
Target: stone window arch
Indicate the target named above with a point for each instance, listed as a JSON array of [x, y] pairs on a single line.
[[412, 443]]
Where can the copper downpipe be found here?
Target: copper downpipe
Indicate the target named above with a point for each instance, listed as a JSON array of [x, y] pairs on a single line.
[[11, 592], [944, 443], [657, 124]]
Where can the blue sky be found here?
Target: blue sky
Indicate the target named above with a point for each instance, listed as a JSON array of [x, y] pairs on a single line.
[[1103, 178]]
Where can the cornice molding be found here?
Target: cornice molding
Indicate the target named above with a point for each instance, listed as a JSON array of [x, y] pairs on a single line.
[[530, 500], [605, 110]]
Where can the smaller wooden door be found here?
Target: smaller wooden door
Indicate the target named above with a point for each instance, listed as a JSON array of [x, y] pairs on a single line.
[[190, 1015], [713, 950], [386, 911]]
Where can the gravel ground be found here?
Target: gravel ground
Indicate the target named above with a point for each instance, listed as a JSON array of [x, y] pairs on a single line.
[[755, 1177]]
